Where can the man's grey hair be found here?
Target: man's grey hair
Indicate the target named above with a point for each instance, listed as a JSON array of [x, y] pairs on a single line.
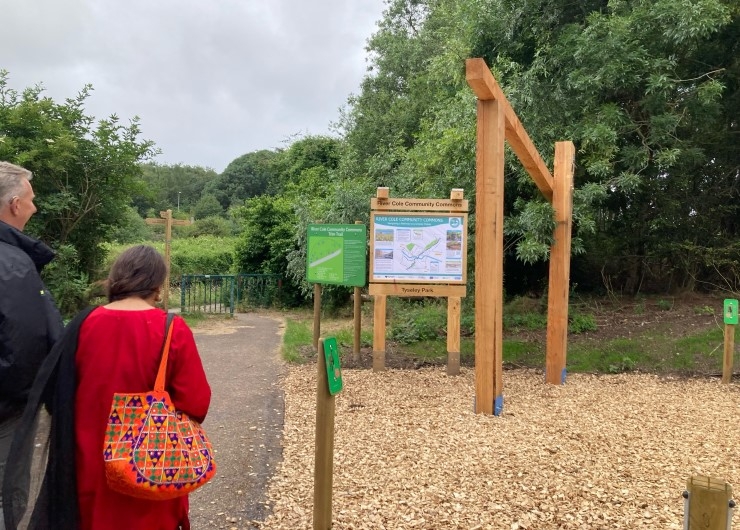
[[11, 181]]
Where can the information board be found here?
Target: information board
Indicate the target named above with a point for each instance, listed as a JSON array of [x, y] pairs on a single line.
[[418, 247], [336, 254]]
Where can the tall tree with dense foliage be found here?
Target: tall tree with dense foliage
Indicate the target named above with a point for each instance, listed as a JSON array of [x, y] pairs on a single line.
[[85, 173], [177, 187], [307, 186], [249, 175], [647, 90]]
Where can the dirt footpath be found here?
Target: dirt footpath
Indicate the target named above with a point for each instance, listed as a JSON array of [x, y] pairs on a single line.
[[245, 420]]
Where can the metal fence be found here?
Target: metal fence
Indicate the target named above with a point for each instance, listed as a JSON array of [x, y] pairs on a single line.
[[224, 293]]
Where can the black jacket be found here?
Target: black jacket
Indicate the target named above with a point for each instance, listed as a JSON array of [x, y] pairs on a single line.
[[29, 321], [53, 506]]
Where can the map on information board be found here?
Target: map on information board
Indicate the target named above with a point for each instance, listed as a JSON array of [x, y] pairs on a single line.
[[419, 247]]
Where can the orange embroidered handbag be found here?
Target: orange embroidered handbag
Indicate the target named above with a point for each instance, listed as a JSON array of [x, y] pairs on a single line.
[[152, 451]]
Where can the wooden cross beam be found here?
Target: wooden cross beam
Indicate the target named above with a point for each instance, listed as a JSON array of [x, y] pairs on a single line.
[[479, 78], [168, 222]]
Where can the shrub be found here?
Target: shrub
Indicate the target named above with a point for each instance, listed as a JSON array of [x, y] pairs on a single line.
[[210, 226], [417, 321], [68, 286], [200, 255], [580, 323], [665, 305]]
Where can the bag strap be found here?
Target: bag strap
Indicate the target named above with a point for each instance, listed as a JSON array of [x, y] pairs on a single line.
[[161, 373]]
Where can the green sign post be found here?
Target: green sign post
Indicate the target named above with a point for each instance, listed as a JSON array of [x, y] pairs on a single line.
[[336, 254], [731, 318], [333, 366], [329, 382], [730, 311]]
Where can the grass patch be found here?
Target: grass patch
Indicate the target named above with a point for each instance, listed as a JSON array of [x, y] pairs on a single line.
[[617, 355], [193, 319], [416, 330], [581, 323], [346, 337], [427, 350], [524, 321], [523, 353], [298, 335], [651, 353]]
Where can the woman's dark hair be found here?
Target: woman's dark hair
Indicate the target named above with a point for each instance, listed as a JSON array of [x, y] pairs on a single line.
[[139, 271]]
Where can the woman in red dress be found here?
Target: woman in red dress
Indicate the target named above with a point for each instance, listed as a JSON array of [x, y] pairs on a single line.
[[59, 443], [119, 350]]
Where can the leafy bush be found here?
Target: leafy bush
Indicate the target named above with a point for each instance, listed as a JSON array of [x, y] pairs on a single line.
[[131, 229], [210, 226], [200, 255], [208, 206], [267, 238], [68, 286], [467, 323], [417, 321], [665, 305], [580, 323], [627, 364]]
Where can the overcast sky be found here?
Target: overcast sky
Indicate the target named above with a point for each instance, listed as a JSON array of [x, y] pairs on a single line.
[[211, 80]]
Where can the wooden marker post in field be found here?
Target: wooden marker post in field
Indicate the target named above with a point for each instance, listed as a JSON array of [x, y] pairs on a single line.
[[167, 221], [731, 319], [329, 383]]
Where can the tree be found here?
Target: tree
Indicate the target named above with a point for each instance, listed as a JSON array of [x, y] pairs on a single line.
[[267, 237], [647, 90], [175, 187], [132, 228], [248, 176], [84, 174], [207, 206]]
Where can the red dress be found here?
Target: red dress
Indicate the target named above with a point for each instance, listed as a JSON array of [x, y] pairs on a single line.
[[119, 351]]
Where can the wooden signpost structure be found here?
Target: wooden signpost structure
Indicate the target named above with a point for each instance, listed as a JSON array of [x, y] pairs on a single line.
[[167, 221], [497, 122], [731, 319], [418, 248]]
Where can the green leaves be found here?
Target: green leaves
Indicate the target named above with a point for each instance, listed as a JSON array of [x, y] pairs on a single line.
[[84, 173]]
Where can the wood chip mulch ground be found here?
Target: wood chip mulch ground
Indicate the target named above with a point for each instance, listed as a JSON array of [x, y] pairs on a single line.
[[601, 452]]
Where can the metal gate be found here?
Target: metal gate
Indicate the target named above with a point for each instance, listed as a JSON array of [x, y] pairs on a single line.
[[222, 293], [207, 293]]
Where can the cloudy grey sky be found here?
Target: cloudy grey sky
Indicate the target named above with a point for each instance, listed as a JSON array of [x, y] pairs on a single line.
[[211, 80]]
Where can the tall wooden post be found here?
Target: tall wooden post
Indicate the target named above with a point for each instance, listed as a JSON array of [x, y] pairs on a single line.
[[357, 324], [357, 320], [167, 221], [729, 351], [324, 451], [559, 282], [379, 301], [316, 315], [479, 77], [453, 335], [489, 251]]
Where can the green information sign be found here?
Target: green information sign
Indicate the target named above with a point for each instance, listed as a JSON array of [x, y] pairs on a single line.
[[333, 368], [730, 311], [336, 254]]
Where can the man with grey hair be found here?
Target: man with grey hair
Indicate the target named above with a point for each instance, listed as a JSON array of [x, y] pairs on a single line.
[[29, 321]]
